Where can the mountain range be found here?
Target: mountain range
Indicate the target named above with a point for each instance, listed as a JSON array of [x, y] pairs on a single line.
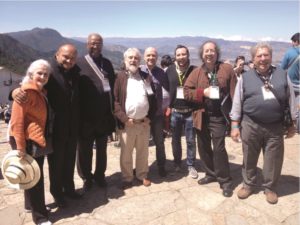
[[16, 56], [18, 49]]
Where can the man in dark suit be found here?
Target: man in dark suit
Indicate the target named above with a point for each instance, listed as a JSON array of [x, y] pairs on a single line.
[[97, 121], [62, 93]]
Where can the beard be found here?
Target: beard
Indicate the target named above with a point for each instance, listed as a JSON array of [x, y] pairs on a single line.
[[132, 69]]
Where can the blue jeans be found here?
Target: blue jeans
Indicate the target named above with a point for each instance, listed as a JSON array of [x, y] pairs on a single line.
[[178, 122]]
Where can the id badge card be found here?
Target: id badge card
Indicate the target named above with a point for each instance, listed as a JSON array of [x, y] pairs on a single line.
[[179, 93], [267, 94], [106, 86], [148, 88], [214, 92]]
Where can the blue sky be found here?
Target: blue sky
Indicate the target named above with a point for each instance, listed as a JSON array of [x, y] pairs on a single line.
[[234, 20]]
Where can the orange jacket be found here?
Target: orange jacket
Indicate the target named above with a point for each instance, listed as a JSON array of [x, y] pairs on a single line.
[[28, 120]]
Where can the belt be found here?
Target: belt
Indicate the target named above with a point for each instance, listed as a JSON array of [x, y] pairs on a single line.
[[182, 110], [139, 121]]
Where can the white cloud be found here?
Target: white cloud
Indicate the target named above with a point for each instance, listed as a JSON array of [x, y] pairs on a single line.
[[266, 39], [235, 38], [244, 38]]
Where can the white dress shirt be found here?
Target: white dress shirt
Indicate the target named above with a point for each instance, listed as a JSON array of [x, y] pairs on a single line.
[[136, 105]]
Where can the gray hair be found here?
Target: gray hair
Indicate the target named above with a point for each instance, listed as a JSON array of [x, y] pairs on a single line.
[[217, 48], [126, 53], [95, 35], [254, 49], [33, 66]]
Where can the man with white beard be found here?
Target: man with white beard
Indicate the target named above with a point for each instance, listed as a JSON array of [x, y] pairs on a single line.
[[134, 107]]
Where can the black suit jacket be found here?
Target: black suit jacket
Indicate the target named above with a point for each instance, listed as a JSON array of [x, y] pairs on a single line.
[[63, 96], [96, 106]]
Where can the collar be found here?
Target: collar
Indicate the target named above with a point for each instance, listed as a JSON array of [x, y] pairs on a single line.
[[30, 85], [269, 73]]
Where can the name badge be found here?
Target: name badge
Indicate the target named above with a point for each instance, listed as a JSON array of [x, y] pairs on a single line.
[[106, 86], [148, 88], [179, 93], [214, 92], [267, 94]]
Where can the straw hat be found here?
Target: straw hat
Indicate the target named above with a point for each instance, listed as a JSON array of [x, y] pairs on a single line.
[[20, 173]]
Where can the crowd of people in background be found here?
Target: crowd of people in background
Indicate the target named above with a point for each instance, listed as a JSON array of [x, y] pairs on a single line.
[[89, 102], [5, 112]]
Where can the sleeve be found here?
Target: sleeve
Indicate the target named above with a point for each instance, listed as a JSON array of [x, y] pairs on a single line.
[[112, 76], [292, 99], [233, 81], [172, 87], [191, 92], [118, 111], [285, 62], [165, 81], [236, 110], [111, 79], [17, 125]]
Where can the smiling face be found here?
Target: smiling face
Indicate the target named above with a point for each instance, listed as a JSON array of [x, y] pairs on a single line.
[[66, 56], [150, 57], [132, 60], [40, 75], [182, 57], [209, 55], [94, 45], [262, 60]]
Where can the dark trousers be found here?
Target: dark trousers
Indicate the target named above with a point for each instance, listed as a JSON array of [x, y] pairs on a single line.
[[215, 160], [157, 125], [61, 166], [85, 154], [34, 198]]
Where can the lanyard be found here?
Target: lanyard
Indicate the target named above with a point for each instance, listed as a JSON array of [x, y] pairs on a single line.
[[266, 79], [181, 75], [181, 78]]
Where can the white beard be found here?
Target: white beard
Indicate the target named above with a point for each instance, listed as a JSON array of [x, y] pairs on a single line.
[[132, 69]]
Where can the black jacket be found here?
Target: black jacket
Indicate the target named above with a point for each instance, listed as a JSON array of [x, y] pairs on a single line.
[[63, 97], [174, 83], [96, 106]]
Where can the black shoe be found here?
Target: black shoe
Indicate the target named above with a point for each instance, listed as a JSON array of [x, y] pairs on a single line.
[[60, 202], [87, 185], [73, 195], [206, 180], [227, 192], [101, 183], [162, 172]]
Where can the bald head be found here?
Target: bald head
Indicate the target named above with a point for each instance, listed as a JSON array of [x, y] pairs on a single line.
[[150, 57], [66, 56], [67, 48], [94, 45]]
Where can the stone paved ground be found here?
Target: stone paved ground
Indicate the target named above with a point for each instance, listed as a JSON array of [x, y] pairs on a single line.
[[176, 199]]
